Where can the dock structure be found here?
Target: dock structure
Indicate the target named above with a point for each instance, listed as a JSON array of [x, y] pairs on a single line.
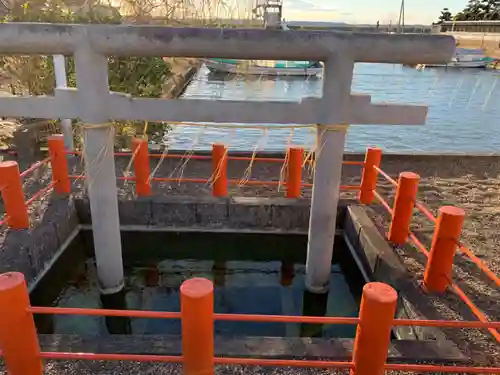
[[92, 102]]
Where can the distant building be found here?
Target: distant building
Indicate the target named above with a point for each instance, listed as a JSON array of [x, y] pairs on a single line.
[[471, 26]]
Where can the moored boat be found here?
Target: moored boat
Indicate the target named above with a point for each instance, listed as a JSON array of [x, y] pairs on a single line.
[[264, 67], [466, 58]]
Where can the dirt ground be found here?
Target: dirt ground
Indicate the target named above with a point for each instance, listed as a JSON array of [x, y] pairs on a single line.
[[469, 182]]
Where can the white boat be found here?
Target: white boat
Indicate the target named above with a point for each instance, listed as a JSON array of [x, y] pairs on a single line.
[[466, 58], [265, 67]]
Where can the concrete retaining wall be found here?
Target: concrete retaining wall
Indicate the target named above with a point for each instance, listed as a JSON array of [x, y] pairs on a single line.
[[380, 263], [32, 251], [257, 213]]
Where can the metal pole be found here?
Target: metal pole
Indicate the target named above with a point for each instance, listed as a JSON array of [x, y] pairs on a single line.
[[326, 189], [61, 83], [93, 91]]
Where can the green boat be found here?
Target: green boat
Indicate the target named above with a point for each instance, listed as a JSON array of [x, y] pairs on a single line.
[[264, 67]]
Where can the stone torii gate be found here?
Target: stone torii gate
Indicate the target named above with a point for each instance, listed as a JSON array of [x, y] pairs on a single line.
[[93, 103]]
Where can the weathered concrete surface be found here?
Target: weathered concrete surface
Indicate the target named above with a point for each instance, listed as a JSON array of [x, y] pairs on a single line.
[[381, 263], [335, 349], [176, 211], [31, 251], [137, 40]]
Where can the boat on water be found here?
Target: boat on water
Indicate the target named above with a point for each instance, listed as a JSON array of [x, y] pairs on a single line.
[[466, 58], [265, 67]]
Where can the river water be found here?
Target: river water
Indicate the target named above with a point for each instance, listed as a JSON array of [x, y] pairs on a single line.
[[464, 110]]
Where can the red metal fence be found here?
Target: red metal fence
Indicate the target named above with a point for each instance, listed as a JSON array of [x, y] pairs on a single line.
[[18, 338]]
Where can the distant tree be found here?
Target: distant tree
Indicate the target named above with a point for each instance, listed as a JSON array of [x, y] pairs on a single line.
[[491, 9], [445, 16], [479, 10], [474, 10]]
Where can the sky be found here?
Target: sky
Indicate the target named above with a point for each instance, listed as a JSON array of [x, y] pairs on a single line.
[[367, 11]]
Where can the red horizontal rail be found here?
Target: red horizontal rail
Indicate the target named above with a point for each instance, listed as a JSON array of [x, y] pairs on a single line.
[[427, 213], [40, 193], [350, 162], [385, 175], [34, 167], [257, 318], [104, 312], [265, 362], [478, 262], [77, 177], [445, 323], [383, 202], [254, 182], [209, 157], [205, 180], [285, 319], [475, 310], [342, 187], [178, 156], [413, 238], [264, 159], [181, 179]]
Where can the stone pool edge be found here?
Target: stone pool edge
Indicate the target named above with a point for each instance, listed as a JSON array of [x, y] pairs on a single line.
[[33, 251]]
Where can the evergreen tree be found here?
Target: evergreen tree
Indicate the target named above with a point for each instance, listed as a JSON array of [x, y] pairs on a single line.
[[474, 10], [480, 10], [445, 15], [491, 9]]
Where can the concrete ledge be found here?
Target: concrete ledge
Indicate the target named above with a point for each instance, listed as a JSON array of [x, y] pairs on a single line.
[[258, 347], [210, 212], [31, 251]]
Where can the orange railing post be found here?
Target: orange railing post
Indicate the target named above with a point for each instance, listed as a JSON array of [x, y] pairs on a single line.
[[294, 172], [18, 339], [373, 158], [13, 195], [197, 323], [373, 335], [59, 164], [404, 202], [141, 166], [219, 170], [444, 244]]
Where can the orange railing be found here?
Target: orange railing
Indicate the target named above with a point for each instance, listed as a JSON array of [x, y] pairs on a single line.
[[11, 186], [16, 206], [438, 272], [294, 161], [22, 355], [18, 334]]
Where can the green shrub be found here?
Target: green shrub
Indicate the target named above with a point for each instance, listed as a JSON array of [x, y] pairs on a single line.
[[34, 75]]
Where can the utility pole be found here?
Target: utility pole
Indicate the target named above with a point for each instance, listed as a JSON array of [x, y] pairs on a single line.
[[401, 22]]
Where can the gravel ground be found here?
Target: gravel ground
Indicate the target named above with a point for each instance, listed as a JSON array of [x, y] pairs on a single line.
[[472, 183]]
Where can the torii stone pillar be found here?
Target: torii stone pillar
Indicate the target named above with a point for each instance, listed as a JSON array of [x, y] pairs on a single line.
[[337, 112], [98, 153], [329, 154]]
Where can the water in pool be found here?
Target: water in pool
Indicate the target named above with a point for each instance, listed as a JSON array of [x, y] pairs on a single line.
[[242, 286]]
